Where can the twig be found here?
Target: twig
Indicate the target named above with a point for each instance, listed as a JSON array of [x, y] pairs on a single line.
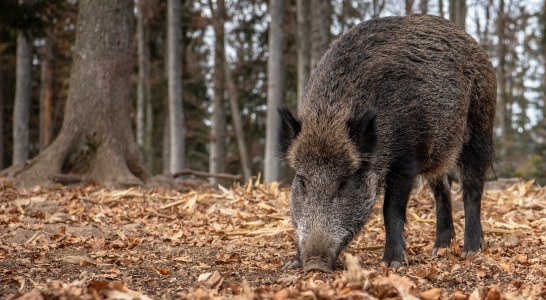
[[172, 204], [207, 174]]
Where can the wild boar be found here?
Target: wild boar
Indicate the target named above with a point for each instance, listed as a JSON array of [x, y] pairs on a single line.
[[393, 98]]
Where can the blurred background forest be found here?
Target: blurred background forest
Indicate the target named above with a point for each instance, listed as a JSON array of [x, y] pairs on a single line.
[[225, 80]]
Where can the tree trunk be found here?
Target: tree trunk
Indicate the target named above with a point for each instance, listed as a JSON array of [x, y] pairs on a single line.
[[441, 8], [501, 69], [2, 140], [217, 133], [237, 122], [176, 117], [377, 8], [544, 63], [457, 12], [96, 140], [275, 88], [304, 46], [321, 20], [409, 6], [23, 91], [423, 6], [143, 77], [46, 91]]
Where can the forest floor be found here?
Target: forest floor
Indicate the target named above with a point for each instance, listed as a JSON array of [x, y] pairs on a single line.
[[94, 243]]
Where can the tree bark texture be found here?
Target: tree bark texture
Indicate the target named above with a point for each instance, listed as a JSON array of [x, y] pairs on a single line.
[[218, 128], [237, 122], [46, 90], [457, 12], [321, 20], [23, 91], [304, 46], [275, 88], [176, 117], [96, 140]]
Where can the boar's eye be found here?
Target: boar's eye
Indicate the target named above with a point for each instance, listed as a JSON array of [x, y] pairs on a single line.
[[301, 181], [342, 185]]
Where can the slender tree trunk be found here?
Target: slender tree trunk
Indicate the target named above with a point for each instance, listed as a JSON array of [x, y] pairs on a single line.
[[275, 88], [423, 6], [441, 8], [501, 69], [46, 91], [2, 140], [176, 117], [143, 77], [304, 46], [96, 140], [409, 6], [544, 63], [217, 134], [166, 149], [457, 12], [22, 99], [321, 20], [377, 8], [237, 122]]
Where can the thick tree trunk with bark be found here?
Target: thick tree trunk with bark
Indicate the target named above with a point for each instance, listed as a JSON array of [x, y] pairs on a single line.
[[176, 116], [23, 91], [46, 90], [96, 141], [275, 88], [218, 131], [321, 20], [457, 12], [304, 46]]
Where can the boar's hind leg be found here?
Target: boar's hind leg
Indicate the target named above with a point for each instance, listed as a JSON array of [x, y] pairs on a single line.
[[473, 163], [397, 191], [445, 232]]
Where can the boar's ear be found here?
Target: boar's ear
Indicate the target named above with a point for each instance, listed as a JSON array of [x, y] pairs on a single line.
[[363, 132], [289, 129]]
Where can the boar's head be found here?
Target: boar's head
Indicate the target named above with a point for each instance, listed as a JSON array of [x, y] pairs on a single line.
[[334, 188]]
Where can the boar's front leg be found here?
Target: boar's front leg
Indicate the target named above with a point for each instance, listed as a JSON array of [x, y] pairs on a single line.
[[397, 190]]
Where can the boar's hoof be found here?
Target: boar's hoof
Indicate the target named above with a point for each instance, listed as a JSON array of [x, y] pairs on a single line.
[[294, 263], [471, 253], [395, 264], [435, 251]]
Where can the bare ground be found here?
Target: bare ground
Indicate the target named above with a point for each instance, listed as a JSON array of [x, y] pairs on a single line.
[[92, 243]]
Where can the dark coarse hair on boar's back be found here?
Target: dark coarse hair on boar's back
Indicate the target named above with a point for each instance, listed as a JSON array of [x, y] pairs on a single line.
[[393, 98]]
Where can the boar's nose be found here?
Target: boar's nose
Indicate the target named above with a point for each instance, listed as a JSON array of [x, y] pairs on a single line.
[[318, 251], [317, 264]]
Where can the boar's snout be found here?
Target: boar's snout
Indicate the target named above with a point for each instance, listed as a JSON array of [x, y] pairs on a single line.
[[319, 251]]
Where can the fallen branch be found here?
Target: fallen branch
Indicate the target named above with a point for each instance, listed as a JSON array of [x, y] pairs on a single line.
[[66, 178], [207, 174]]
